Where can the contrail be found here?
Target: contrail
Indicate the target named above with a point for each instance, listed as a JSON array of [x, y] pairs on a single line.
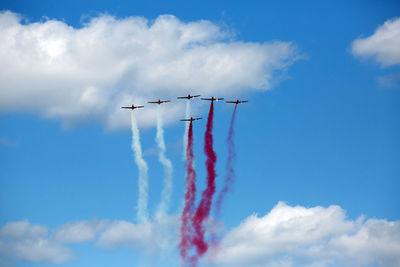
[[229, 171], [185, 136], [203, 210], [143, 169], [190, 195], [167, 189]]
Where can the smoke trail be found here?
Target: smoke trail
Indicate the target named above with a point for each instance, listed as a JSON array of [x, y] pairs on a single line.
[[228, 180], [143, 169], [203, 210], [186, 231], [167, 189], [230, 172], [185, 136]]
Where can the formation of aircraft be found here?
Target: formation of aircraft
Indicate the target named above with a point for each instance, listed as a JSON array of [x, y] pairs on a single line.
[[192, 119], [188, 97]]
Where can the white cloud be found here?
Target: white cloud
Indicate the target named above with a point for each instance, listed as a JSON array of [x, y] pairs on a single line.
[[77, 232], [31, 243], [287, 236], [376, 241], [87, 73], [383, 45], [311, 237], [159, 237], [35, 243]]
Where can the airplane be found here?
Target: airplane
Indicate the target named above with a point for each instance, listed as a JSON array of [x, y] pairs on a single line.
[[191, 119], [213, 99], [133, 107], [187, 97], [159, 101], [237, 101]]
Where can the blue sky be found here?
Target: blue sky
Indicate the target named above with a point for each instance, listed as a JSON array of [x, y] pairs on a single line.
[[323, 132]]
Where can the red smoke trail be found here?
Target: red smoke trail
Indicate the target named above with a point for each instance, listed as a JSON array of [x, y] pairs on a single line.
[[228, 179], [230, 172], [203, 210], [190, 195]]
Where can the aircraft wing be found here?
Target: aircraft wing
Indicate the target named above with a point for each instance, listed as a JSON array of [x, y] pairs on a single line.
[[244, 101], [233, 102], [195, 119], [196, 95], [183, 97], [185, 120], [165, 101], [206, 98], [126, 107], [153, 102], [139, 106]]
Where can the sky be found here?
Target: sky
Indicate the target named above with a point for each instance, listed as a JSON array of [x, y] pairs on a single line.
[[317, 145]]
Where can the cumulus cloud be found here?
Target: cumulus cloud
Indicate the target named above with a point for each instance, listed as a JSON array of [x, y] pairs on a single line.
[[287, 236], [87, 73], [318, 236], [77, 232], [35, 243], [160, 236], [31, 243], [383, 45]]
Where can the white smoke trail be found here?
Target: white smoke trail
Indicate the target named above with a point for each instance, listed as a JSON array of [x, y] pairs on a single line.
[[185, 136], [167, 189], [143, 169]]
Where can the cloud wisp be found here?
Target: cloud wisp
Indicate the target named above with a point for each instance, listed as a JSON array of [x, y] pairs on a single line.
[[7, 142], [85, 74], [389, 80]]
